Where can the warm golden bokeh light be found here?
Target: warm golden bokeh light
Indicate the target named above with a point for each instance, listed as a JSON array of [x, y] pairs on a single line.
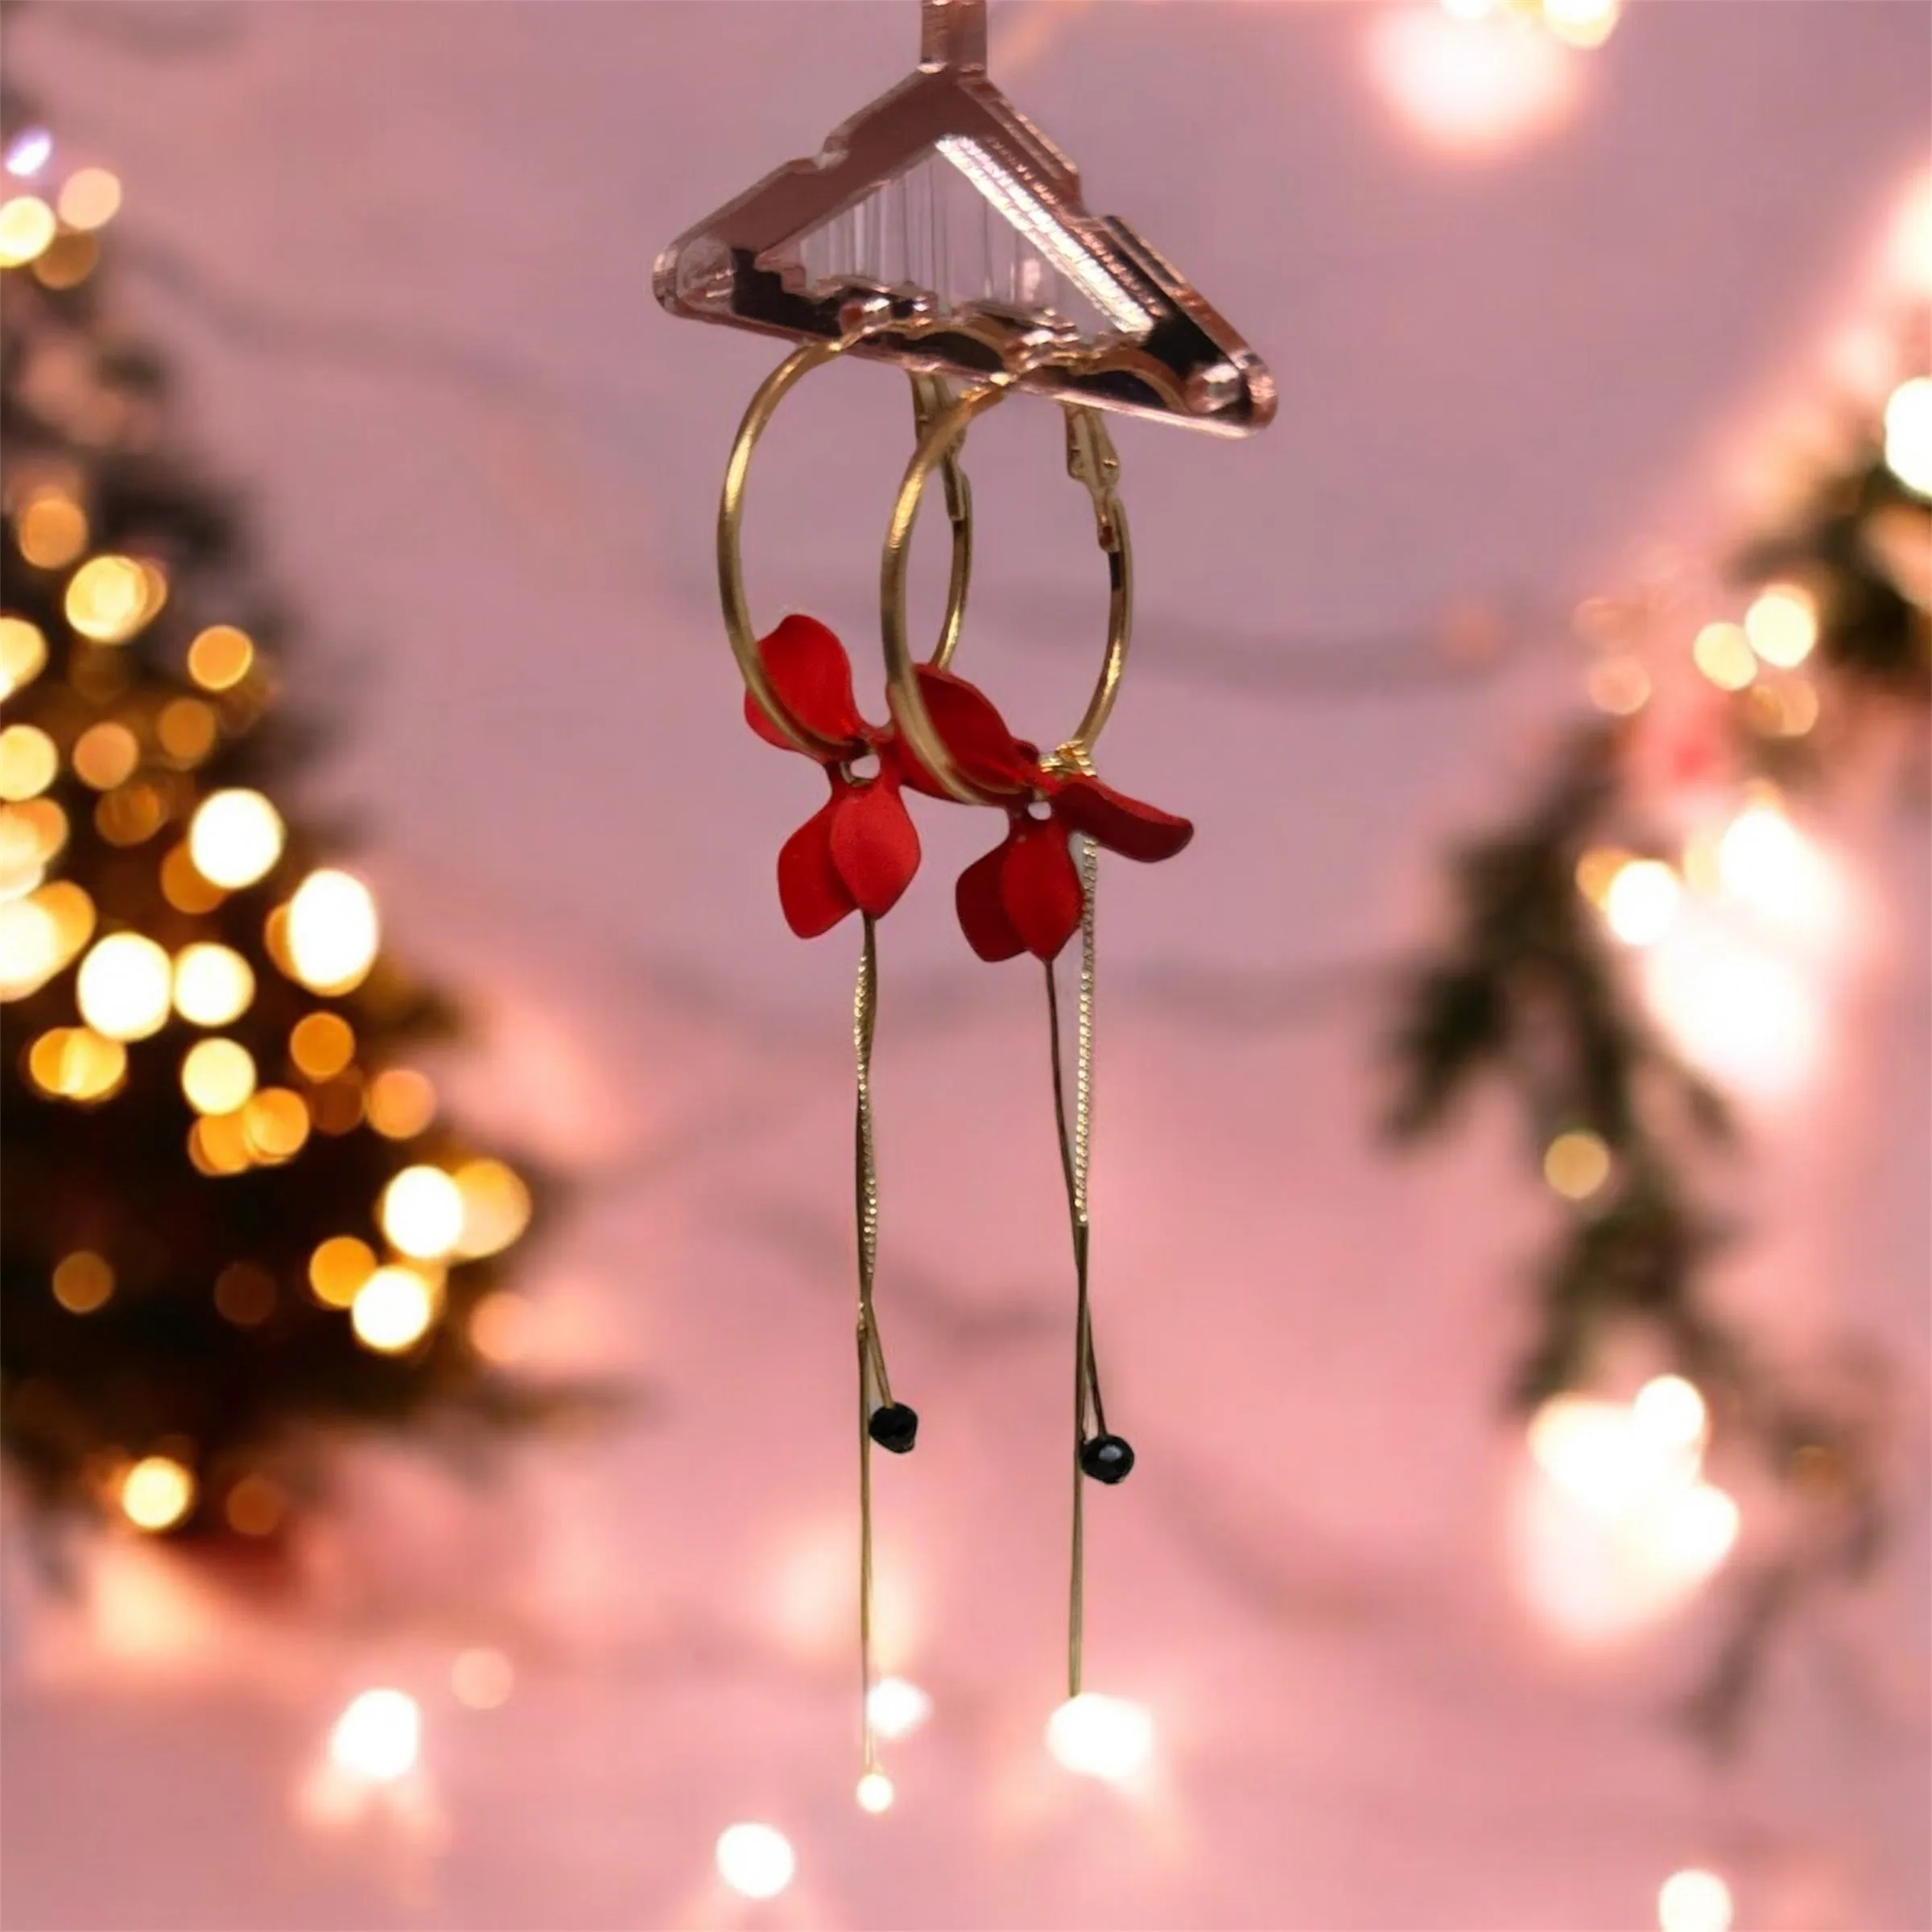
[[109, 598], [393, 1309], [106, 755], [67, 261], [156, 1493], [1619, 686], [496, 1206], [51, 530], [28, 761], [1641, 901], [333, 931], [338, 1268], [337, 1104], [1909, 434], [400, 1102], [75, 1063], [130, 813], [220, 657], [1781, 626], [23, 653], [217, 1075], [875, 1792], [255, 1506], [184, 887], [213, 984], [1694, 1901], [186, 730], [218, 1144], [482, 1678], [1723, 655], [73, 914], [27, 225], [1597, 869], [1585, 23], [245, 1295], [276, 1123], [422, 1213], [1576, 1164], [235, 838], [30, 948], [124, 987], [83, 1281], [90, 198], [499, 1327], [321, 1045]]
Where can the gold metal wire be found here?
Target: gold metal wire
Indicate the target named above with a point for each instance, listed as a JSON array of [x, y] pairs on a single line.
[[930, 399], [875, 1386], [1074, 1155], [1092, 460]]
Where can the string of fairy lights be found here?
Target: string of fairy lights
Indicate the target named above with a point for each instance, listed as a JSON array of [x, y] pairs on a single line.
[[124, 745]]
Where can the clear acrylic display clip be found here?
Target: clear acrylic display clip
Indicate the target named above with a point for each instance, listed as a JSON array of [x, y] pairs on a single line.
[[943, 221]]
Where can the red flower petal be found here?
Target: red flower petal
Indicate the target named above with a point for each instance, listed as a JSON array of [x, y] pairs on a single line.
[[987, 754], [1040, 886], [873, 843], [814, 897], [812, 677], [1122, 824], [982, 918]]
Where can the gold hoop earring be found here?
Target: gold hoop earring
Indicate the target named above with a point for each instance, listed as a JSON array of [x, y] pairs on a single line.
[[930, 399], [1091, 460]]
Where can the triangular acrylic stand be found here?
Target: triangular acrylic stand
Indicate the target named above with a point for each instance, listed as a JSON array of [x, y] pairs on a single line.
[[943, 205]]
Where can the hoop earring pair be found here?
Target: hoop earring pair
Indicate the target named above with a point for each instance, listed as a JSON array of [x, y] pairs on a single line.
[[945, 739]]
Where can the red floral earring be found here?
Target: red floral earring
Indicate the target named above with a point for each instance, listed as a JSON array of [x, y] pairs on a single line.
[[857, 852], [1030, 894]]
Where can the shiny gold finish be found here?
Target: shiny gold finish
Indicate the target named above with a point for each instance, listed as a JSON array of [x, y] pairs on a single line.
[[1091, 460], [930, 397]]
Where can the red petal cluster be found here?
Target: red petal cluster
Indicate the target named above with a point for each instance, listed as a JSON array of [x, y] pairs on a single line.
[[859, 852]]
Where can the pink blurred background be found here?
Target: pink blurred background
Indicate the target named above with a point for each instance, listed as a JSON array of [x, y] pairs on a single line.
[[400, 253]]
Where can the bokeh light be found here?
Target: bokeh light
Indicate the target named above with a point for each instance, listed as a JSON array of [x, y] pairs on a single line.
[[333, 931], [220, 657], [422, 1213], [1474, 87], [400, 1102], [124, 987], [213, 984], [186, 731], [28, 761], [51, 531], [1100, 1736], [106, 755], [157, 1492], [27, 225], [496, 1206], [897, 1706], [1909, 434], [255, 1506], [109, 599], [377, 1736], [339, 1268], [1619, 686], [29, 946], [76, 1063], [321, 1045], [217, 1075], [90, 198], [245, 1295], [1781, 626], [23, 653], [235, 838], [875, 1793], [1724, 653], [1641, 901], [275, 1123], [1694, 1901], [499, 1327], [482, 1678], [393, 1309], [83, 1281], [756, 1860], [1576, 1164]]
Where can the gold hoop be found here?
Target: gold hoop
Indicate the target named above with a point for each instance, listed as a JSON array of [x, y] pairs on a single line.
[[930, 398], [1091, 460]]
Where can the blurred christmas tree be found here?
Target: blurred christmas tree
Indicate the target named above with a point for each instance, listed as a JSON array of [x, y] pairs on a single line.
[[232, 1212]]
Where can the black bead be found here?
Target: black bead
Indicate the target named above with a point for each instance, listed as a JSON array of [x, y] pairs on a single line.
[[893, 1426], [1106, 1459]]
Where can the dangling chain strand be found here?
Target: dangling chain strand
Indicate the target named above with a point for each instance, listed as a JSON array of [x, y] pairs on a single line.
[[873, 1378], [1074, 1157]]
